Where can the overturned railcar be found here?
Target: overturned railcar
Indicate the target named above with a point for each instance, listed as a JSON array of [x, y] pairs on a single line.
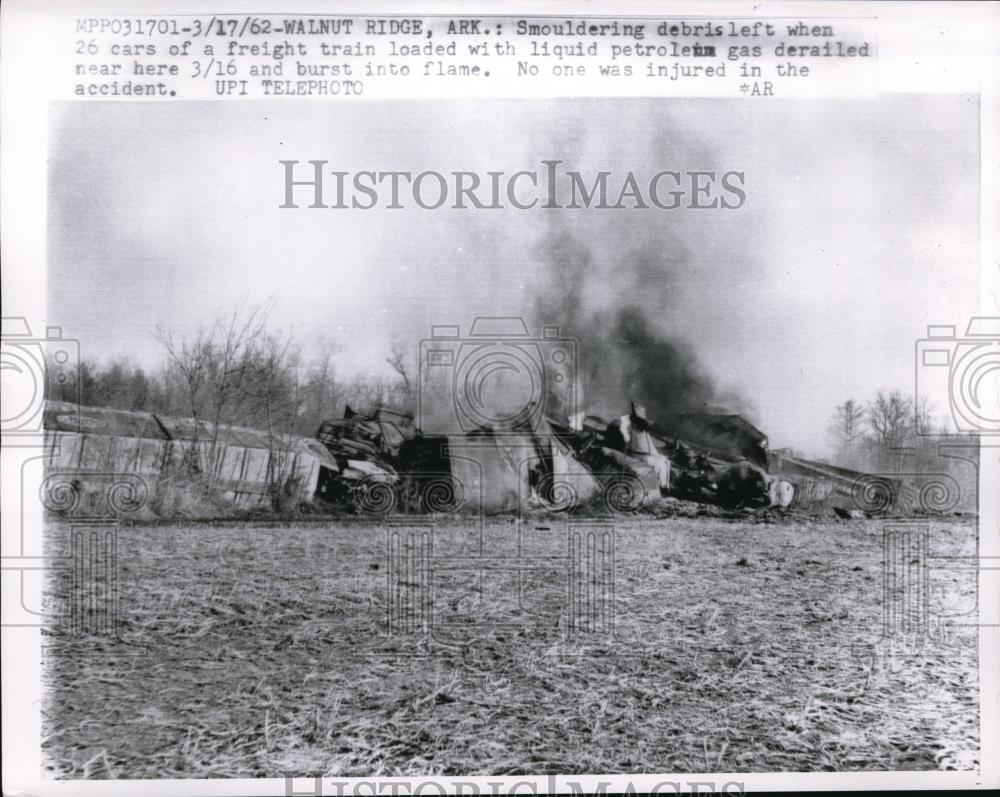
[[94, 456], [493, 472]]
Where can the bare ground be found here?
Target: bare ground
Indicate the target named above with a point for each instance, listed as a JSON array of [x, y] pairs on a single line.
[[243, 651]]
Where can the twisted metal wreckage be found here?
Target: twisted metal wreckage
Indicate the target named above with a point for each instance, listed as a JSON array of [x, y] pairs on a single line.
[[381, 462], [385, 462]]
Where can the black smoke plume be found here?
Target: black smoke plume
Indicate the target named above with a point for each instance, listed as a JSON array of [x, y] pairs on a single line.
[[626, 319]]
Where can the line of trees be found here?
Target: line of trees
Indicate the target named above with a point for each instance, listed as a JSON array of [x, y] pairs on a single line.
[[238, 372], [871, 434]]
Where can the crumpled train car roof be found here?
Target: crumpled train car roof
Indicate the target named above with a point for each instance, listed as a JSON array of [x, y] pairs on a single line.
[[61, 416], [730, 437], [75, 419]]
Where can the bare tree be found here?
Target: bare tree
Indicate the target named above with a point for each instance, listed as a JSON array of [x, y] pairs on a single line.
[[320, 391], [889, 415], [923, 416], [847, 424], [191, 362], [273, 388], [215, 369], [235, 344], [399, 362]]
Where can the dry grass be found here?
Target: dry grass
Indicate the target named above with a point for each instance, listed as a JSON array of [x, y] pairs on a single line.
[[255, 651]]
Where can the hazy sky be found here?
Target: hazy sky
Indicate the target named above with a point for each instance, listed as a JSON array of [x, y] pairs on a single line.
[[861, 228]]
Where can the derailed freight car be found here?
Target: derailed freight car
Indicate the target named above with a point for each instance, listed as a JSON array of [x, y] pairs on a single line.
[[157, 461], [493, 472]]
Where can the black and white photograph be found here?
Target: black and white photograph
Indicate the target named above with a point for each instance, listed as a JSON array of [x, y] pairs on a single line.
[[481, 399]]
